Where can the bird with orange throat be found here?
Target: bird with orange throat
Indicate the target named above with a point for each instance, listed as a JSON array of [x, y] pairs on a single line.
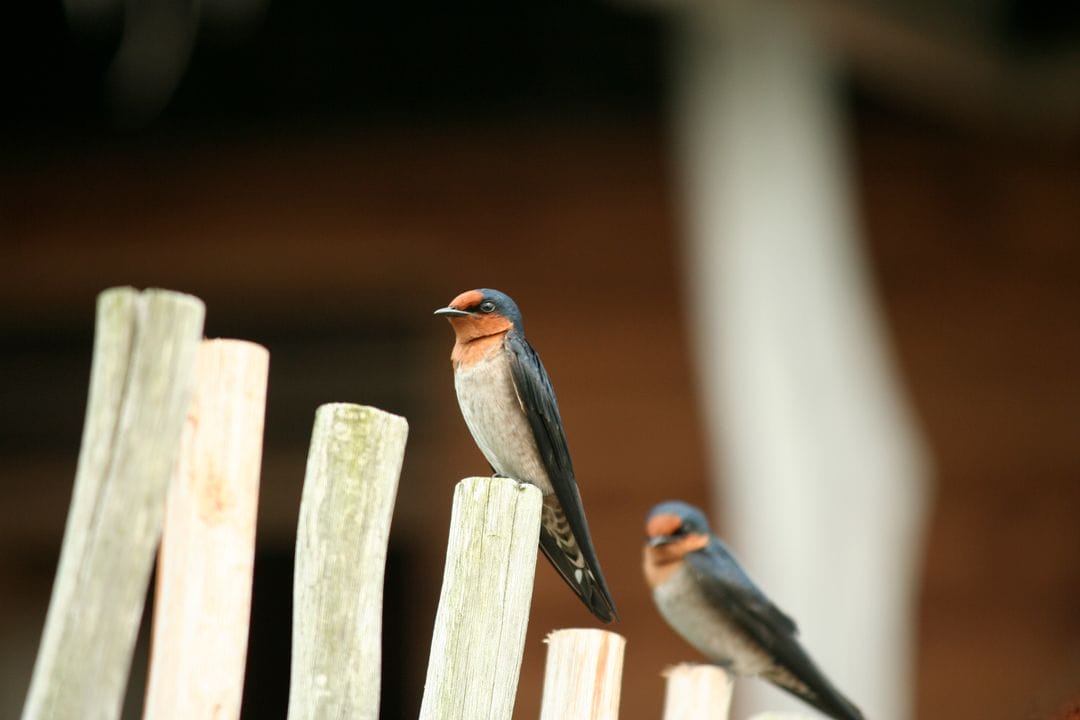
[[509, 407], [707, 598]]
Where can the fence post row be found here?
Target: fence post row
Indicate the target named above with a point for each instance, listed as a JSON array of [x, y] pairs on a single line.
[[147, 359]]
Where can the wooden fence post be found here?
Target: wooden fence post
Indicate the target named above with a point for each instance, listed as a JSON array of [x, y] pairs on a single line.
[[697, 691], [483, 610], [583, 675], [348, 499], [140, 389], [203, 602]]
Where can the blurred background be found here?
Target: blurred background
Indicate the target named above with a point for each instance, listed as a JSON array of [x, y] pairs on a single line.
[[324, 175]]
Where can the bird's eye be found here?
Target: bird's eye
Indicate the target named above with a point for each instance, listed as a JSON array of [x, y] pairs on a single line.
[[487, 306]]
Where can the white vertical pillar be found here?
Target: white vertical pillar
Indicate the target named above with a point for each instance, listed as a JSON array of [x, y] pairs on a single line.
[[822, 475]]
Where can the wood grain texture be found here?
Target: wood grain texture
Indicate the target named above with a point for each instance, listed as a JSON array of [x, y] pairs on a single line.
[[203, 601], [697, 691], [140, 389], [583, 675], [349, 491], [483, 613]]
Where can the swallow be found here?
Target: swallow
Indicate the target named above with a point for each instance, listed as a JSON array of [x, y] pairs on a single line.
[[706, 597], [509, 407]]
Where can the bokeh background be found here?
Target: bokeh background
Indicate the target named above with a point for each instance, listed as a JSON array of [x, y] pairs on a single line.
[[324, 175]]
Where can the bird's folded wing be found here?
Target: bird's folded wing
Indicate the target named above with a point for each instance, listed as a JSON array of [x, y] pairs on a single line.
[[537, 399], [727, 586]]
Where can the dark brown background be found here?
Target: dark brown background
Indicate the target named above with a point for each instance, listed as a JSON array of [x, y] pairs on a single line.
[[329, 180]]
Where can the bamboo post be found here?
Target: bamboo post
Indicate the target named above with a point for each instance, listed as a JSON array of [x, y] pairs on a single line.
[[483, 610], [583, 675], [140, 388], [348, 499], [203, 602], [697, 691]]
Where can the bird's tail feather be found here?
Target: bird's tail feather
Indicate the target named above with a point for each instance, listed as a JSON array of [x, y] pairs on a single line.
[[812, 687], [565, 554]]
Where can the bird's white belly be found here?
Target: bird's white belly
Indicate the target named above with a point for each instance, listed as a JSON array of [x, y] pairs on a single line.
[[497, 422], [687, 609]]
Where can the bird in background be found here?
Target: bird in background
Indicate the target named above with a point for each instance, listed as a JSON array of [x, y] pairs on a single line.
[[509, 406], [703, 593]]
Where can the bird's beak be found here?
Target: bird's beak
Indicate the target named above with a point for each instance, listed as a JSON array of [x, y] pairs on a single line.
[[660, 540], [451, 312]]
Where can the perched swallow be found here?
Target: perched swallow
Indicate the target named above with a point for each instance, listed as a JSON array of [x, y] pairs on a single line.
[[510, 409], [705, 595]]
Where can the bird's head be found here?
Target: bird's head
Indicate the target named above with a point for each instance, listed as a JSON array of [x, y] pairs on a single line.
[[673, 529], [479, 313], [674, 521]]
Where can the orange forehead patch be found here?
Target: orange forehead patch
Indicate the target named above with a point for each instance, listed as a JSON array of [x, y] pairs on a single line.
[[466, 299], [661, 525]]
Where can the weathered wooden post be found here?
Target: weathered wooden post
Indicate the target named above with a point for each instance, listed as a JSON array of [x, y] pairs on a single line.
[[203, 602], [140, 389], [483, 610], [697, 691], [348, 499], [583, 675]]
